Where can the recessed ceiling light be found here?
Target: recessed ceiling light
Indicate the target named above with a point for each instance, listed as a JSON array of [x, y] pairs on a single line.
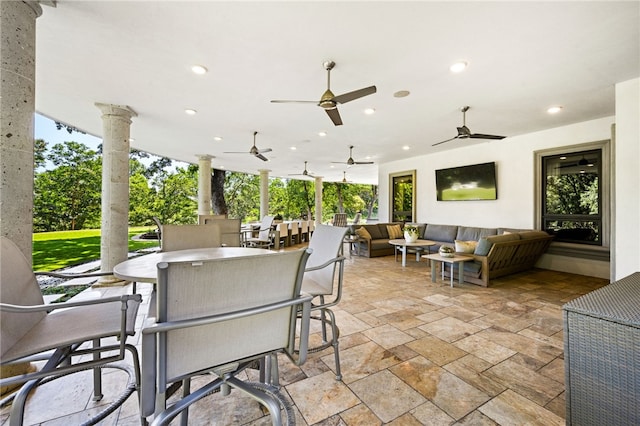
[[190, 111], [131, 140], [199, 69], [293, 148], [554, 109], [401, 94], [563, 158], [458, 66], [323, 133], [370, 111], [217, 138], [406, 148]]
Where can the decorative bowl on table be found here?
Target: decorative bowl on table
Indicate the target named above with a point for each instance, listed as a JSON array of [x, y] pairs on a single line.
[[446, 251]]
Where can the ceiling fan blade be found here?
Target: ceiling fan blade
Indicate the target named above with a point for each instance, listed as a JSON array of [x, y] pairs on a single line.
[[262, 157], [363, 162], [280, 101], [235, 152], [260, 151], [338, 162], [445, 141], [347, 97], [334, 115], [481, 136]]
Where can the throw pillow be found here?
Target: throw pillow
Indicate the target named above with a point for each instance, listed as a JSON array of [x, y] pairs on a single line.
[[483, 247], [363, 233], [394, 232], [465, 246]]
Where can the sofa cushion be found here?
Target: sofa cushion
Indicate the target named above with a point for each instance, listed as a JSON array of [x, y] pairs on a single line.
[[380, 245], [383, 231], [441, 232], [469, 233], [484, 245], [465, 246], [374, 231], [394, 232], [363, 233]]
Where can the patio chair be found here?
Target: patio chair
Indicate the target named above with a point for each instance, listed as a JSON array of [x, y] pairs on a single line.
[[203, 219], [320, 280], [57, 333], [264, 234], [339, 219], [225, 322], [230, 235], [182, 237]]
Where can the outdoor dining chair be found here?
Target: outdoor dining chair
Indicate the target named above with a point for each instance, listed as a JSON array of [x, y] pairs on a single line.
[[182, 237], [230, 234], [339, 219], [227, 321], [321, 281], [264, 234], [68, 337]]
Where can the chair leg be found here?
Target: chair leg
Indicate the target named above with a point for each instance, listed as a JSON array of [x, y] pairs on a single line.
[[97, 374], [334, 339]]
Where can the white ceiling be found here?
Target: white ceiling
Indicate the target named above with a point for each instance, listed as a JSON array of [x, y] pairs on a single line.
[[523, 57]]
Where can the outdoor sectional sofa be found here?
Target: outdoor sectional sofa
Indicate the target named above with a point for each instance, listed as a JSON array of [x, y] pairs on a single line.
[[497, 252]]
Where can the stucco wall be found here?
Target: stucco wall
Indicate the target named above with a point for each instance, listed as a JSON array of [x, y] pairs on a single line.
[[514, 208]]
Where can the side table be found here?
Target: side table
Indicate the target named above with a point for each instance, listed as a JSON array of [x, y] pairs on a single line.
[[435, 257]]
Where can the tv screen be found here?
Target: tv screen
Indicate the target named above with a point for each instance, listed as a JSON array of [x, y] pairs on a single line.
[[475, 182]]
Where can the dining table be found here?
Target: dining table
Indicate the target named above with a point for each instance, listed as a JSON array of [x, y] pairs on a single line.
[[144, 268]]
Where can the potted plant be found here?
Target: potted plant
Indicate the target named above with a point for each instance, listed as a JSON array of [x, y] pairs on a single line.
[[411, 233], [446, 251]]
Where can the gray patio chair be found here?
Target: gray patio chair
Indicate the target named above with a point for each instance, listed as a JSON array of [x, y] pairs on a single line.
[[265, 234], [57, 333], [225, 322], [320, 280], [182, 237], [230, 235]]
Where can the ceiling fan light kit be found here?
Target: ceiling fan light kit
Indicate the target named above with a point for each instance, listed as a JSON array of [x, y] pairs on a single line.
[[329, 102]]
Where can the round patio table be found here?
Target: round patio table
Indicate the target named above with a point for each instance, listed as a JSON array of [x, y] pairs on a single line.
[[144, 268], [402, 245]]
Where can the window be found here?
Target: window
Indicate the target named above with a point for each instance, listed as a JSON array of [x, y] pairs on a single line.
[[403, 192], [573, 197]]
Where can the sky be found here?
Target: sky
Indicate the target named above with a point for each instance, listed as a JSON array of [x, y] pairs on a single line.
[[45, 128]]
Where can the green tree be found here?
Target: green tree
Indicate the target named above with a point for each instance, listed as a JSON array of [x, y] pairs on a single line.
[[68, 196], [242, 192], [176, 196]]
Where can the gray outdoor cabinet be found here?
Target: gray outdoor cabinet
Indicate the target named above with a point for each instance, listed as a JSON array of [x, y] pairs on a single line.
[[602, 355]]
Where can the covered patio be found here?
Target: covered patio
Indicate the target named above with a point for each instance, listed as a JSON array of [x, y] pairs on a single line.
[[412, 352]]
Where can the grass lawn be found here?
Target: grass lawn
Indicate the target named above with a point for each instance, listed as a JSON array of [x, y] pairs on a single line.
[[55, 250]]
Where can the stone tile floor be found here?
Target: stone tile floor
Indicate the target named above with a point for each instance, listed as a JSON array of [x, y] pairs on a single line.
[[412, 352]]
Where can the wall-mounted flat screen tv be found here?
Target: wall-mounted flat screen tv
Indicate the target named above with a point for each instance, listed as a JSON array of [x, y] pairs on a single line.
[[474, 182]]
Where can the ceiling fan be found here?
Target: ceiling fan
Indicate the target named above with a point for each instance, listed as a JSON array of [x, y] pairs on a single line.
[[254, 150], [350, 161], [344, 178], [465, 133], [329, 101], [304, 173]]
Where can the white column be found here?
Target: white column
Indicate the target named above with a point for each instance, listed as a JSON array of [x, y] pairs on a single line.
[[204, 184], [114, 248], [17, 92], [264, 192], [318, 200]]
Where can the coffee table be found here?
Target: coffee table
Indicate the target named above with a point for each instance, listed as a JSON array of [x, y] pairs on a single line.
[[457, 258], [403, 246]]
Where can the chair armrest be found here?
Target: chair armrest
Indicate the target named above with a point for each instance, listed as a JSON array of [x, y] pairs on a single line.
[[212, 319], [325, 264], [6, 307]]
